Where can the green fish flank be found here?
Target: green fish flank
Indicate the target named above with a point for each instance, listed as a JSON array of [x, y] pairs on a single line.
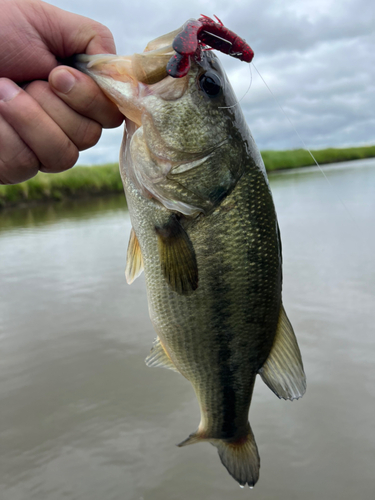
[[205, 232]]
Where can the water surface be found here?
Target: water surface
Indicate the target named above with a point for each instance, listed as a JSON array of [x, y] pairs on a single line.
[[82, 417]]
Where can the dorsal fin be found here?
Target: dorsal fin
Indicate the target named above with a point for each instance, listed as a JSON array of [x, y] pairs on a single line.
[[177, 257], [134, 260], [283, 370], [158, 357]]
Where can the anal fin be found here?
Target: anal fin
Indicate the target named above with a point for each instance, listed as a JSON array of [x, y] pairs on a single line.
[[134, 260], [283, 370], [158, 357]]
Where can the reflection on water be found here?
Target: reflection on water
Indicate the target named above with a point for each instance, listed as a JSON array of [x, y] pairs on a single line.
[[31, 216], [82, 417]]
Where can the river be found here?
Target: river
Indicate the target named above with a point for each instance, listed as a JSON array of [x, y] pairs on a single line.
[[83, 418]]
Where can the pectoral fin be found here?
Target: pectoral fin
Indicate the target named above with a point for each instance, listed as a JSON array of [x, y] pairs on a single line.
[[134, 260], [177, 257], [283, 370], [158, 357]]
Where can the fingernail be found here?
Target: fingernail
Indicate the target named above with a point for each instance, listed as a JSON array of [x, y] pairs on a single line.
[[62, 80], [8, 90]]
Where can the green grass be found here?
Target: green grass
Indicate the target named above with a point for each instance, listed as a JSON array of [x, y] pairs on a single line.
[[74, 183], [277, 160], [83, 181]]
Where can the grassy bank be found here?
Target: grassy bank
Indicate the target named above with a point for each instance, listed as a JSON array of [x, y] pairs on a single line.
[[82, 181], [74, 183], [278, 160]]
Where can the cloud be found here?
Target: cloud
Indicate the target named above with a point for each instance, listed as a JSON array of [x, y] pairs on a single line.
[[317, 57]]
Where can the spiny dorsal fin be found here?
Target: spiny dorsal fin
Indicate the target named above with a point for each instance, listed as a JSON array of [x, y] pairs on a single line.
[[134, 260], [283, 369], [158, 357], [177, 257]]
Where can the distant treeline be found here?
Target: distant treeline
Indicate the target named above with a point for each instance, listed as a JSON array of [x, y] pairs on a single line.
[[102, 180]]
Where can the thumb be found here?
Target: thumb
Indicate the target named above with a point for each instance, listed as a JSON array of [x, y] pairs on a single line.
[[66, 34]]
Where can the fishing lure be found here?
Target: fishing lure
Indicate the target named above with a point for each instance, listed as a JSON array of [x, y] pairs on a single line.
[[198, 35]]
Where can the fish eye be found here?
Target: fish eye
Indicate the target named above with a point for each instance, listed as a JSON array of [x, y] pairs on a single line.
[[210, 83]]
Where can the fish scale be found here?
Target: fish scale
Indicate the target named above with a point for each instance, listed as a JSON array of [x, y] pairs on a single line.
[[225, 302]]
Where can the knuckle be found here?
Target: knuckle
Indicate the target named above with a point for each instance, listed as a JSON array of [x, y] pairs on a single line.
[[64, 157], [69, 157], [89, 133], [19, 167], [106, 36], [104, 32], [30, 169], [115, 119], [26, 160]]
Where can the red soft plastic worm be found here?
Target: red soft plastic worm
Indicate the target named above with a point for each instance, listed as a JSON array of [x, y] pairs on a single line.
[[196, 35]]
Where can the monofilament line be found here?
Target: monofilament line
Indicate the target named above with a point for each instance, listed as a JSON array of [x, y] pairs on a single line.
[[303, 142], [248, 88]]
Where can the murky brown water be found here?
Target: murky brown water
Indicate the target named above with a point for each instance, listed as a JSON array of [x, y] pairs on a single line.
[[82, 417]]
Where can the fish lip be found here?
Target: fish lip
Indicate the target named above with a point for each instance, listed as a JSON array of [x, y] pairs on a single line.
[[89, 64]]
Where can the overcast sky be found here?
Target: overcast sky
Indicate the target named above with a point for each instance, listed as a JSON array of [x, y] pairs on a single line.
[[317, 56]]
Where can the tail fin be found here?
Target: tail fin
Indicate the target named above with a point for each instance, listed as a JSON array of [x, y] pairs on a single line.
[[239, 457]]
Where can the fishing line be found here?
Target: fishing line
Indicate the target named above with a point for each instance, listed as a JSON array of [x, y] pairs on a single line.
[[247, 91], [303, 143]]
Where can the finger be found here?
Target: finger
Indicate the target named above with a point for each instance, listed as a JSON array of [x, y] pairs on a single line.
[[34, 33], [82, 94], [39, 132], [80, 34], [17, 162], [82, 131]]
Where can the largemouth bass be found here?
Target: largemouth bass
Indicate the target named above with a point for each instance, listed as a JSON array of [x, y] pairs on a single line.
[[205, 232]]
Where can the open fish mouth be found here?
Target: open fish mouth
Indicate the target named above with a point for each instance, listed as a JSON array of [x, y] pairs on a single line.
[[148, 67], [127, 80]]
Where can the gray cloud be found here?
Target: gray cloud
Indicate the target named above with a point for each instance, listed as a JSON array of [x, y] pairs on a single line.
[[317, 56]]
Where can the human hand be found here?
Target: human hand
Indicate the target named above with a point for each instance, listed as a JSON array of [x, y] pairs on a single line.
[[46, 124]]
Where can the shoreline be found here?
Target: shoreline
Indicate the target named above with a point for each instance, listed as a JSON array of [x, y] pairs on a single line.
[[86, 182]]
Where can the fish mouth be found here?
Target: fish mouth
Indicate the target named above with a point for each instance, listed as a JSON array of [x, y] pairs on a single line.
[[148, 67], [126, 80]]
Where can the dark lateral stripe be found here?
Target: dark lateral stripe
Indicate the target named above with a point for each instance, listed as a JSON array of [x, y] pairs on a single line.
[[220, 314]]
